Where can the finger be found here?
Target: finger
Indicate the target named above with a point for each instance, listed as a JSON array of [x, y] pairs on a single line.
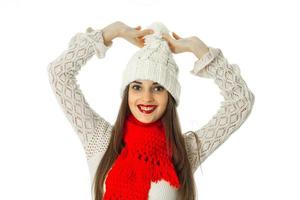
[[135, 42], [144, 32], [167, 37], [141, 41], [176, 36], [140, 37]]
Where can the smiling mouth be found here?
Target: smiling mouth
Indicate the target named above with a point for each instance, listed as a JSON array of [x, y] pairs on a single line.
[[147, 109]]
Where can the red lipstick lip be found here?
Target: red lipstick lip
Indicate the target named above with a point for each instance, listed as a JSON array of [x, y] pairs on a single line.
[[147, 111]]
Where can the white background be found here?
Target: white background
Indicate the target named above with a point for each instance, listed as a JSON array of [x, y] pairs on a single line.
[[42, 157]]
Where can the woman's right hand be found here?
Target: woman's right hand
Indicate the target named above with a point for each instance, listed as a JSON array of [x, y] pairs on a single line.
[[189, 44], [133, 35]]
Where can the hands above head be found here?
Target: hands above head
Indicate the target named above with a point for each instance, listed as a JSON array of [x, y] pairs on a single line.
[[189, 44], [135, 36]]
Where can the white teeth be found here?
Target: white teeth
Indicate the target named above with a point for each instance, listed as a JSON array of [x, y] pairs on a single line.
[[145, 108]]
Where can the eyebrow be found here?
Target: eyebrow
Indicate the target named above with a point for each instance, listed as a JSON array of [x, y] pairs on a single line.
[[155, 83]]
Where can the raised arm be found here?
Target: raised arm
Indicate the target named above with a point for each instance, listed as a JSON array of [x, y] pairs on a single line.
[[234, 109], [93, 131]]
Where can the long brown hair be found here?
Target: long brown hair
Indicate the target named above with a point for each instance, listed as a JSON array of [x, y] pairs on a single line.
[[170, 120]]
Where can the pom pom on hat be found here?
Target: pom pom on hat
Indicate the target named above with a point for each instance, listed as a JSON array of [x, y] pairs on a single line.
[[156, 37], [154, 62]]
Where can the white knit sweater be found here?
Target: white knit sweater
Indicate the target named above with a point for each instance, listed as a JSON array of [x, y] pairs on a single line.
[[94, 131]]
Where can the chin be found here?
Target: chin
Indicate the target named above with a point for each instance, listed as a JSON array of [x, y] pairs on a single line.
[[145, 118]]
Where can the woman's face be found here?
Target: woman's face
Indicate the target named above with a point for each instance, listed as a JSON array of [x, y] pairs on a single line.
[[147, 93]]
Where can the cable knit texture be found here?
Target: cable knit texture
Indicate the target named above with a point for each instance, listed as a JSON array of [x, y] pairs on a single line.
[[94, 131], [143, 160]]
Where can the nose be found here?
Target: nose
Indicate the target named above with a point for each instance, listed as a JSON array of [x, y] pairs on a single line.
[[148, 96]]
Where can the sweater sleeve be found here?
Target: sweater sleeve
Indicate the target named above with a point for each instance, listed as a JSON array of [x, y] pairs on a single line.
[[93, 131], [234, 110]]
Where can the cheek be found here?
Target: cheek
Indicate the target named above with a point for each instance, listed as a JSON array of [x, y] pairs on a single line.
[[131, 99], [163, 100]]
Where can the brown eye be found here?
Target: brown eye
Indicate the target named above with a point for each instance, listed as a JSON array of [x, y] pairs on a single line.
[[135, 86], [159, 88]]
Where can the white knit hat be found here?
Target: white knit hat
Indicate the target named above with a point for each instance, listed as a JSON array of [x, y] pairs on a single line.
[[154, 62]]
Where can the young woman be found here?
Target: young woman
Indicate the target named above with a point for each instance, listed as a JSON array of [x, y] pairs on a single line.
[[144, 154]]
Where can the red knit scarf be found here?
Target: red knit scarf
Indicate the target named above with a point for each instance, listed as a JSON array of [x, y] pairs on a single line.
[[144, 159]]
